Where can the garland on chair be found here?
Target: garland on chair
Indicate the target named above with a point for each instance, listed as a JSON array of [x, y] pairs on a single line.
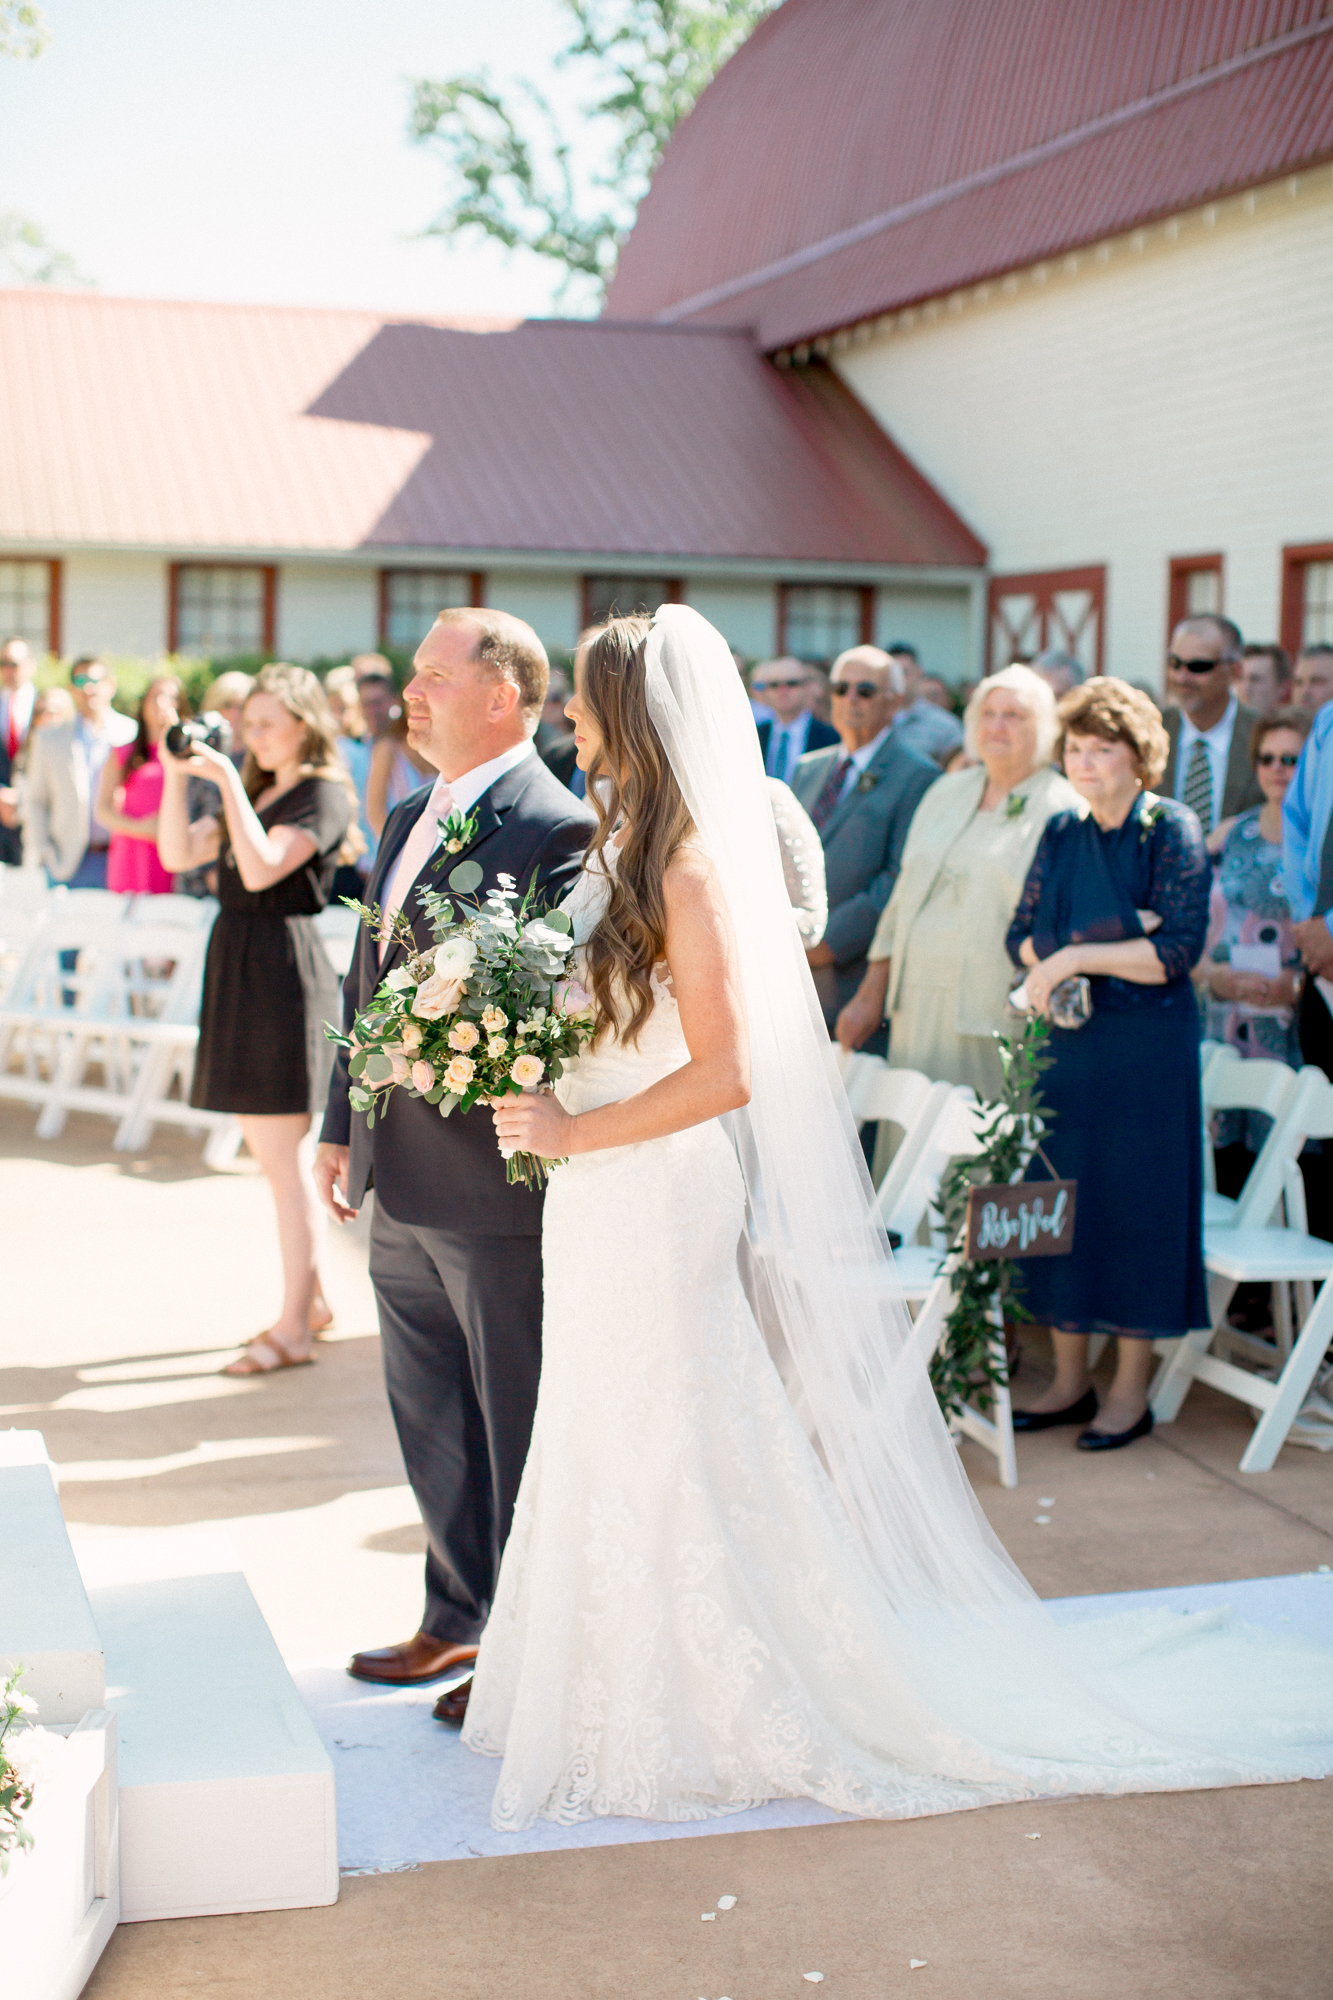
[[966, 1367]]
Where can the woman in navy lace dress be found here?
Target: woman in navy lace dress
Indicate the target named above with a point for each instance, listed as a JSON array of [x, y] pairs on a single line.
[[1119, 893]]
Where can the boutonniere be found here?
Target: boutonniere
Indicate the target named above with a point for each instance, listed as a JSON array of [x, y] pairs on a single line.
[[1015, 805], [867, 781], [456, 833]]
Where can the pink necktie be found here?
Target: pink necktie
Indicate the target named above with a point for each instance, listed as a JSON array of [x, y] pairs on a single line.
[[420, 844]]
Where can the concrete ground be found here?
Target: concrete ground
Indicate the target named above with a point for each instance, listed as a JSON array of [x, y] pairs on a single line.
[[127, 1279]]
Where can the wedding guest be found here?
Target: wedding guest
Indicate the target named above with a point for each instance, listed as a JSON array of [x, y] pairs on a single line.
[[1060, 671], [925, 722], [1312, 684], [561, 757], [129, 794], [802, 862], [785, 686], [861, 795], [378, 694], [396, 771], [1251, 964], [1117, 895], [1307, 877], [268, 985], [64, 768], [343, 694], [372, 667], [51, 707], [938, 968], [1208, 762], [1264, 683], [227, 696], [554, 725], [17, 695]]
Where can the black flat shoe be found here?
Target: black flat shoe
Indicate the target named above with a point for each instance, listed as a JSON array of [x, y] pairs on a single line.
[[1081, 1412], [1112, 1440]]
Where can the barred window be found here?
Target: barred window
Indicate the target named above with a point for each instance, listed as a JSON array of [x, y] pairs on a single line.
[[1317, 608], [412, 599], [818, 620], [27, 602], [221, 608]]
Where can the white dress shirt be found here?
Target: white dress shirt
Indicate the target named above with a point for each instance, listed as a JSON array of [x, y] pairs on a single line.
[[786, 742], [19, 703], [1217, 742], [860, 758], [460, 796]]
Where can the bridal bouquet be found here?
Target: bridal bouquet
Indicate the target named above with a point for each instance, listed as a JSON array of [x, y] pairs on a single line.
[[486, 1011]]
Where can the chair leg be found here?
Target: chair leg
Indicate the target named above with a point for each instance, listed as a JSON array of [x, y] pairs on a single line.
[[67, 1073], [1293, 1385], [1002, 1415], [1172, 1381]]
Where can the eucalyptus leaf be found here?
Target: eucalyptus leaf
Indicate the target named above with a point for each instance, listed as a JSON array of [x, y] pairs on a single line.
[[466, 877], [448, 1104], [378, 1068], [559, 920], [358, 1062]]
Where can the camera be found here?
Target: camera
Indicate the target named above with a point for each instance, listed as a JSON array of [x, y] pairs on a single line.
[[209, 730]]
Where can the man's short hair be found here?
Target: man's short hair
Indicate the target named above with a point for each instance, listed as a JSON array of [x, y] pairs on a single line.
[[905, 649], [15, 639], [873, 656], [511, 649], [1319, 650], [1269, 650], [1054, 661], [1228, 632], [86, 660]]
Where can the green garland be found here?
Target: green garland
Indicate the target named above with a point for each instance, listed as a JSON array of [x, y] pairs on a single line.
[[966, 1366]]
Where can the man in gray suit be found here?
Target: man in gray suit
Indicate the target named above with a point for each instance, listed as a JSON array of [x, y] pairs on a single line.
[[455, 1252], [1209, 766], [861, 795]]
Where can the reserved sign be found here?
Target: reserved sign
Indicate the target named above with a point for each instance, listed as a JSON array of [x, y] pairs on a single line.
[[1021, 1219]]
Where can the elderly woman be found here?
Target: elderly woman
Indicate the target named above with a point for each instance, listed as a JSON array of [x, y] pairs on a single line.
[[1117, 898], [937, 963]]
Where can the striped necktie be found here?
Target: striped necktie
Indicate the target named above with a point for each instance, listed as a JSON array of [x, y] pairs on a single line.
[[1199, 784], [830, 792]]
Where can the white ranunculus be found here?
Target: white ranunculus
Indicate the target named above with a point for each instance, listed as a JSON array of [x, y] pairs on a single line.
[[398, 979], [455, 958]]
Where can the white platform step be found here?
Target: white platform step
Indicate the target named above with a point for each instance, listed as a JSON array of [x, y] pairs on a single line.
[[226, 1792], [60, 1901], [45, 1618]]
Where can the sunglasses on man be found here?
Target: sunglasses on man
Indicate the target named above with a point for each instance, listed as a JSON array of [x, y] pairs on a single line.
[[1267, 758], [86, 680], [863, 690], [1179, 666], [764, 687]]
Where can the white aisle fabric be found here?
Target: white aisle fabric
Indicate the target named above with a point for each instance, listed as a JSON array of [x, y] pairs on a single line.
[[409, 1792]]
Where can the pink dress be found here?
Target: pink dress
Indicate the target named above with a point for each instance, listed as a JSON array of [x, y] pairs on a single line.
[[132, 865]]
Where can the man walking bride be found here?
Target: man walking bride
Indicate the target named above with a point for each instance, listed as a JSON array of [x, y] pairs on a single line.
[[745, 1562]]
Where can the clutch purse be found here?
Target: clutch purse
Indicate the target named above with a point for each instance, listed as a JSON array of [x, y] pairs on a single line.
[[1070, 1002]]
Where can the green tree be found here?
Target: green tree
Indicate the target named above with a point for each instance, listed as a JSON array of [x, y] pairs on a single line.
[[512, 171], [27, 256]]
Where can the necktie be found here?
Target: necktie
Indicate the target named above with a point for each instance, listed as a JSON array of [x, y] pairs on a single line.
[[420, 844], [12, 729], [830, 793], [1199, 784], [781, 753]]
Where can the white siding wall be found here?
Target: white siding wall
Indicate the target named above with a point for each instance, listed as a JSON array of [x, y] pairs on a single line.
[[325, 609], [550, 604], [114, 604], [1168, 394], [746, 614], [938, 621]]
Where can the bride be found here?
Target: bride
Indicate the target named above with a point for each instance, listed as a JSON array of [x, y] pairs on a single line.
[[745, 1561]]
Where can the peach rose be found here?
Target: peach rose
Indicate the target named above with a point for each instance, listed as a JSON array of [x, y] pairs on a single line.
[[527, 1071], [460, 1074], [571, 998], [410, 1037], [437, 996], [494, 1021], [464, 1036], [423, 1076]]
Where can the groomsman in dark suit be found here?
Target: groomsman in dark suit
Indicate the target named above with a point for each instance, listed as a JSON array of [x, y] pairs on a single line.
[[787, 687], [1209, 766], [455, 1252], [861, 795]]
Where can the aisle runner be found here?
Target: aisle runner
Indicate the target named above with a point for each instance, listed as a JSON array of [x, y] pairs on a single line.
[[409, 1792]]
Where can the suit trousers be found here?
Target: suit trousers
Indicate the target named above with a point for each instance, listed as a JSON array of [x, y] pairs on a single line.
[[1316, 1032], [460, 1323]]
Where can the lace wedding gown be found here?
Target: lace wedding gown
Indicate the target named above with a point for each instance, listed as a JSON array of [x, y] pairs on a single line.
[[685, 1623]]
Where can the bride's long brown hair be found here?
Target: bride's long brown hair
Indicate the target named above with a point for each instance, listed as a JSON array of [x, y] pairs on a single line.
[[630, 780]]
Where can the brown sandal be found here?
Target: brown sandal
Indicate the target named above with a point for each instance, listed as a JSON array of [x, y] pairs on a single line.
[[248, 1363]]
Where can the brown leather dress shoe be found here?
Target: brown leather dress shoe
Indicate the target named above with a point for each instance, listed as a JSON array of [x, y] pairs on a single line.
[[452, 1704], [420, 1658]]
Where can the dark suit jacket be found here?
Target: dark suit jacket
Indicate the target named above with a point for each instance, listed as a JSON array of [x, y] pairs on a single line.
[[1240, 786], [434, 1172], [562, 758], [11, 837], [863, 847], [819, 736]]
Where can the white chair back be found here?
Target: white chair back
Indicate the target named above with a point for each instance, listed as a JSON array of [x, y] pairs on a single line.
[[187, 913], [903, 1207]]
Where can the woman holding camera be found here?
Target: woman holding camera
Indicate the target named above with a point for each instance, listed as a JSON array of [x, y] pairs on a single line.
[[129, 793], [268, 984], [1109, 926]]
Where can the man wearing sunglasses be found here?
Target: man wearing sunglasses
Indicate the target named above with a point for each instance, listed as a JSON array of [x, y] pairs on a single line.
[[786, 687], [861, 795], [64, 766], [1209, 767]]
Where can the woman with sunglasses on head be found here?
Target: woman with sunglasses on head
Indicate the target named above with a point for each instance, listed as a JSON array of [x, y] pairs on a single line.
[[1251, 963]]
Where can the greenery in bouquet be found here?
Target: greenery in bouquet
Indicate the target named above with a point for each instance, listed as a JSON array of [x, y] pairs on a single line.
[[15, 1793], [487, 1010]]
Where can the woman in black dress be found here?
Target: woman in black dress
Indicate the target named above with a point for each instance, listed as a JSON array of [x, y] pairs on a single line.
[[1120, 894], [268, 984]]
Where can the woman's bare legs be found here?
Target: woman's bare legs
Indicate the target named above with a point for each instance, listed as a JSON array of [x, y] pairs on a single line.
[[281, 1146], [1127, 1397]]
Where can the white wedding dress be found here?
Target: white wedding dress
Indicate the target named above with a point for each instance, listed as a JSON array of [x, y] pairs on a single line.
[[688, 1619]]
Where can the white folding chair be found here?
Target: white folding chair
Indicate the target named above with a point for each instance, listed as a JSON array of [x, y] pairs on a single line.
[[337, 927], [1237, 1254], [48, 994]]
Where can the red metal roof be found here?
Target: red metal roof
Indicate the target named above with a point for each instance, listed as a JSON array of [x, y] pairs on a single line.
[[221, 427], [855, 156]]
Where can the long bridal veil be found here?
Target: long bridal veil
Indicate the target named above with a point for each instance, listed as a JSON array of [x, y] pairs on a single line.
[[1129, 1713]]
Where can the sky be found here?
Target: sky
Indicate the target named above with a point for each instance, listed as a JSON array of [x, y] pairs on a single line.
[[257, 150]]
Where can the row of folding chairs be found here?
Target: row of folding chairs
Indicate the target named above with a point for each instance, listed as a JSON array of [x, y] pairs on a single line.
[[101, 1009]]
